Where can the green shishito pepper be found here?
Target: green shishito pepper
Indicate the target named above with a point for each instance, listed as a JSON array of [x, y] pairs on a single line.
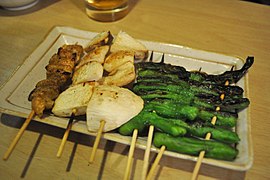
[[175, 127], [165, 125], [171, 126], [172, 109], [144, 119], [176, 110], [172, 94], [202, 101], [223, 118], [139, 122], [178, 72], [194, 146], [218, 134]]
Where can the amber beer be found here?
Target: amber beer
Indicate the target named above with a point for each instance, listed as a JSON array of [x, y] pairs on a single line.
[[106, 10]]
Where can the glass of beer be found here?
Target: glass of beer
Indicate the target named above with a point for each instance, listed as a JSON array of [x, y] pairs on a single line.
[[107, 10]]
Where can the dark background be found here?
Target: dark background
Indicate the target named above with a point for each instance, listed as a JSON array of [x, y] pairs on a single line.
[[266, 2]]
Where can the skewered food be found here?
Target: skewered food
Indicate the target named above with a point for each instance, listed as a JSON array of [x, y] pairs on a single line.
[[194, 146], [177, 127], [177, 102], [59, 73], [192, 96], [91, 71], [73, 100], [90, 67], [178, 110], [98, 54], [113, 104], [124, 42], [145, 83], [120, 66], [121, 76], [120, 62], [116, 59], [183, 103], [101, 39], [120, 71], [88, 70], [176, 72]]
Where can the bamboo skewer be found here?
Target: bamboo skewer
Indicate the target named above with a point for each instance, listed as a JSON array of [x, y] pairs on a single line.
[[202, 153], [207, 137], [130, 154], [65, 136], [19, 135], [159, 156], [96, 143], [150, 137], [147, 152]]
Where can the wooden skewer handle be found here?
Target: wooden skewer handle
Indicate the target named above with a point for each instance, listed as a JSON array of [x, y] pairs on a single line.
[[198, 165], [201, 156], [208, 136], [19, 135], [96, 143], [159, 156], [147, 152], [130, 154], [64, 139]]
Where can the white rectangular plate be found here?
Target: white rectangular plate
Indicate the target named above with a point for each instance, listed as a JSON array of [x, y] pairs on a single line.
[[14, 93]]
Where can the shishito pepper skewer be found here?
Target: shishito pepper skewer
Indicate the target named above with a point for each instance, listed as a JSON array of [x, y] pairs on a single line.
[[146, 157], [207, 137], [149, 139], [130, 154], [133, 142], [147, 151], [236, 76], [156, 162], [201, 155]]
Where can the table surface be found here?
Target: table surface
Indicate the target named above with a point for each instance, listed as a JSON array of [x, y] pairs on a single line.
[[236, 28]]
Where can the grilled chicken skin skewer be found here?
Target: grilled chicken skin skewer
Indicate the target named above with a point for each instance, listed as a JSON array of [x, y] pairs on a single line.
[[59, 73]]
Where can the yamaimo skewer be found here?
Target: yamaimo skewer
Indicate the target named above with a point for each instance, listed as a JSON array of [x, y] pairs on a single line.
[[65, 136]]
